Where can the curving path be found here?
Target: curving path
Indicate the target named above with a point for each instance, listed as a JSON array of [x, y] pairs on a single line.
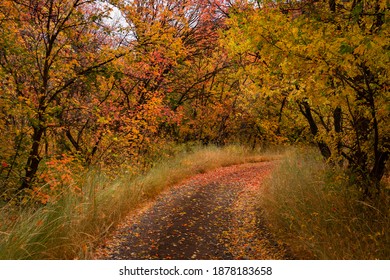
[[209, 216]]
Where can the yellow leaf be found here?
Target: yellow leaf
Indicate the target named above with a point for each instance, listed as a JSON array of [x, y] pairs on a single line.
[[360, 49]]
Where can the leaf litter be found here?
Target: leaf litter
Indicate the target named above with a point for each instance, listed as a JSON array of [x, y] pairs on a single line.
[[209, 216]]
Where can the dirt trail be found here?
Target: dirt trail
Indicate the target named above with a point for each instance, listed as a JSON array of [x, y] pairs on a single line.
[[210, 216]]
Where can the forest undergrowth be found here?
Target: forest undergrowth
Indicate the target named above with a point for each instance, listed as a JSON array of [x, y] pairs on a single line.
[[307, 204], [321, 214]]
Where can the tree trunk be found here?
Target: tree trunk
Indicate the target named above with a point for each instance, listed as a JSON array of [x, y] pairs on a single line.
[[337, 118], [379, 168], [33, 159], [305, 109]]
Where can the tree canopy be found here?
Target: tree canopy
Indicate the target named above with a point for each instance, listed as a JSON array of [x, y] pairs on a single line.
[[77, 89]]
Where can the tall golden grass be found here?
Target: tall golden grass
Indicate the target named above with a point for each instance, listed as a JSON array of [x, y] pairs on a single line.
[[314, 208]]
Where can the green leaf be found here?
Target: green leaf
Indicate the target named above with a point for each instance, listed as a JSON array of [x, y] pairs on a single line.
[[345, 48]]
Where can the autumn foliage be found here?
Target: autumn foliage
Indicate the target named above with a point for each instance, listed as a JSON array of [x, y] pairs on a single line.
[[113, 83], [325, 64]]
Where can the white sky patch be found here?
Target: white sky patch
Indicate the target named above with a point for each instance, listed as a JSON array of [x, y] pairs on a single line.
[[116, 22], [115, 17]]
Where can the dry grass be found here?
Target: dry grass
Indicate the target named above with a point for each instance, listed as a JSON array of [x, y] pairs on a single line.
[[71, 226], [319, 215]]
